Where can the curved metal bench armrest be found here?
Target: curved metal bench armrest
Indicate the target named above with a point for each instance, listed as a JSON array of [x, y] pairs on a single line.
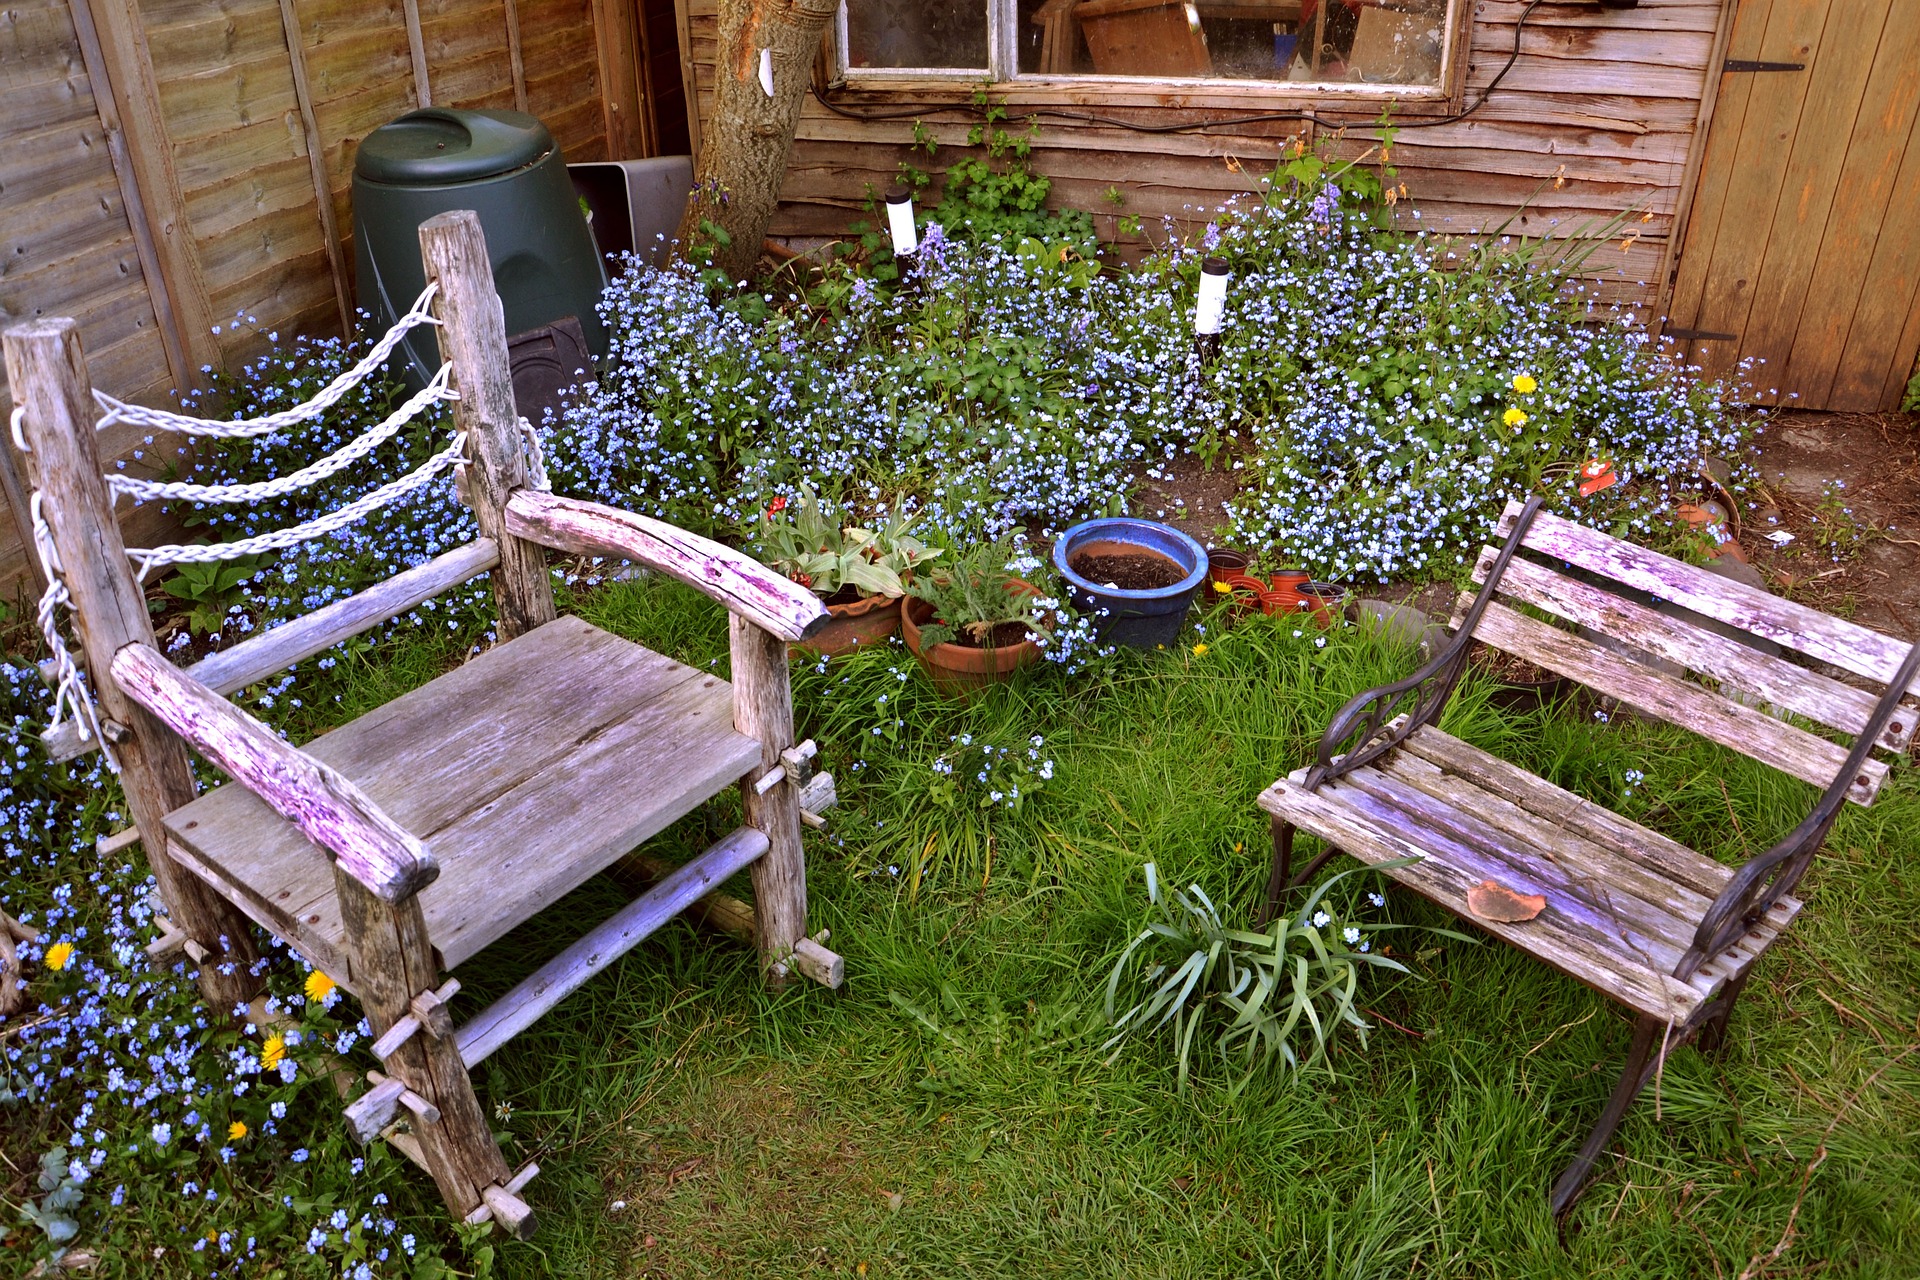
[[1768, 877], [746, 587], [1360, 722], [328, 808]]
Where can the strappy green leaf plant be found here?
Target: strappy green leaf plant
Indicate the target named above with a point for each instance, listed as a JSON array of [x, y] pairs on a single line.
[[1255, 995]]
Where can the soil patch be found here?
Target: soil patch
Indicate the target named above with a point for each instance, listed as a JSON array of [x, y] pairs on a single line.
[[1004, 636], [1127, 570], [1502, 665], [1847, 487]]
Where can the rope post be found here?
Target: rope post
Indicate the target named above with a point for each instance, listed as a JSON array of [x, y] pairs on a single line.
[[48, 375], [473, 339]]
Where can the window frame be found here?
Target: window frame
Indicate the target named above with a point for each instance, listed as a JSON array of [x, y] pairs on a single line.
[[1003, 78]]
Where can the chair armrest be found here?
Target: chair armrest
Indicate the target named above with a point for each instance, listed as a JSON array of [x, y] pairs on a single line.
[[329, 810], [1419, 697], [745, 586], [1768, 877]]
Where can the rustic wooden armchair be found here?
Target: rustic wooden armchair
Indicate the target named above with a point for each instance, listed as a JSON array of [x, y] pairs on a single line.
[[391, 850], [1667, 932]]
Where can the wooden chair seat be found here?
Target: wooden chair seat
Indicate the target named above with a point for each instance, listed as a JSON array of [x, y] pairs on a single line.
[[526, 771], [1622, 902]]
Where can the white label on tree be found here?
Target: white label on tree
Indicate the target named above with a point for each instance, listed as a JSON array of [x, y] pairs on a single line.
[[766, 71]]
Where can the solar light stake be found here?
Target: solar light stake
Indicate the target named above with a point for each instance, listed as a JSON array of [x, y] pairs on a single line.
[[1210, 311], [900, 225]]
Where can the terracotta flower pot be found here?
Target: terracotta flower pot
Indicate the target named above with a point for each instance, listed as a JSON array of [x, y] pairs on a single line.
[[1286, 591], [1224, 562], [855, 624], [959, 670], [1326, 601]]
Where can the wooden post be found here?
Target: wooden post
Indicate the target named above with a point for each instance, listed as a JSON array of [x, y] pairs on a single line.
[[392, 963], [48, 376], [473, 339], [763, 710]]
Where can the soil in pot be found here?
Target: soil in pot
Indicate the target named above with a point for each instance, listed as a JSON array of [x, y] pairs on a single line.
[[962, 670], [1126, 568]]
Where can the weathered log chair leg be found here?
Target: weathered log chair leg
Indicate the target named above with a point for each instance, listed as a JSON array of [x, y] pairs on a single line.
[[395, 973], [1647, 1035], [48, 375], [763, 711]]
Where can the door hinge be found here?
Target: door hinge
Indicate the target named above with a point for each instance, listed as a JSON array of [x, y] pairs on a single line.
[[1700, 335], [1743, 64]]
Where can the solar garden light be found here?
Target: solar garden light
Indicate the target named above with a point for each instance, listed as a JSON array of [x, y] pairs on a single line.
[[1209, 313], [906, 241]]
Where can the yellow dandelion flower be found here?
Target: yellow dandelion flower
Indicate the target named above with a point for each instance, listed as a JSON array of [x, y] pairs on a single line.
[[58, 954], [319, 986], [272, 1051], [1223, 588], [1524, 384], [236, 1131], [1199, 650], [1515, 418]]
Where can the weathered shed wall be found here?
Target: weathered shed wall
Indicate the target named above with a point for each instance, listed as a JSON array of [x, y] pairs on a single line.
[[164, 160], [1610, 99]]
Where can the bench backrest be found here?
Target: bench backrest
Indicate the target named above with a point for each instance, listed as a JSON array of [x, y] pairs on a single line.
[[1695, 649]]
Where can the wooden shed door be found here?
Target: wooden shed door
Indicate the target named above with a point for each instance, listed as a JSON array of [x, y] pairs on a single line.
[[1803, 246]]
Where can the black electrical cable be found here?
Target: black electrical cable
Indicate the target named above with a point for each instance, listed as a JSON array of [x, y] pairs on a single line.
[[1261, 117]]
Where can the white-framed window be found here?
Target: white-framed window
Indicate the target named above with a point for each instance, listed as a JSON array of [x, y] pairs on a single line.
[[1384, 48]]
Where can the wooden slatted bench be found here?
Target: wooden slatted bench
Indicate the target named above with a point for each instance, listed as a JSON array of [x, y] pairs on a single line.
[[1665, 931], [394, 848]]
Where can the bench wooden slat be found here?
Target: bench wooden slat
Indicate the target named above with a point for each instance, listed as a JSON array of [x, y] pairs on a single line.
[[1844, 644], [1588, 863], [1752, 733], [1602, 967], [1608, 917], [1796, 689], [1594, 822]]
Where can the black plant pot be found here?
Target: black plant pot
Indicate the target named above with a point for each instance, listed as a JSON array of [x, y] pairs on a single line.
[[1144, 619]]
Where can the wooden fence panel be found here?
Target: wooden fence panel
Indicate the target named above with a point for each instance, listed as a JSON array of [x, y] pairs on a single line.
[[242, 120], [67, 239]]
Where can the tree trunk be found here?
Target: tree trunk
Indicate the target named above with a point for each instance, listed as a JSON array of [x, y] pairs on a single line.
[[745, 143]]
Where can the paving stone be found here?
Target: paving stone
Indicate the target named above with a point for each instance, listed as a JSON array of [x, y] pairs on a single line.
[[1403, 624]]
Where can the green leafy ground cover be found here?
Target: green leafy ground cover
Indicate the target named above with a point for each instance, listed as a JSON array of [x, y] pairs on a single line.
[[951, 1113]]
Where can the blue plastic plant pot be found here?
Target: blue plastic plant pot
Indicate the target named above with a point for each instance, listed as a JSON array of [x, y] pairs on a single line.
[[1139, 619]]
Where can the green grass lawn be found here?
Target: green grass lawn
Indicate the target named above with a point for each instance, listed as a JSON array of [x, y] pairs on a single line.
[[950, 1113]]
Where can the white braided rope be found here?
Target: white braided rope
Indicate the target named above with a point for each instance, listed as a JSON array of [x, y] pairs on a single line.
[[245, 428], [356, 450], [320, 526], [70, 692]]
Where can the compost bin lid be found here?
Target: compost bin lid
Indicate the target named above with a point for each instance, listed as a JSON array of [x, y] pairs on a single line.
[[440, 146]]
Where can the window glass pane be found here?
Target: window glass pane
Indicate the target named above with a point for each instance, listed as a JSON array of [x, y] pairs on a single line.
[[917, 33], [1312, 41]]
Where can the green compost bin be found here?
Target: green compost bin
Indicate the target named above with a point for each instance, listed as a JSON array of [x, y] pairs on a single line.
[[506, 167]]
